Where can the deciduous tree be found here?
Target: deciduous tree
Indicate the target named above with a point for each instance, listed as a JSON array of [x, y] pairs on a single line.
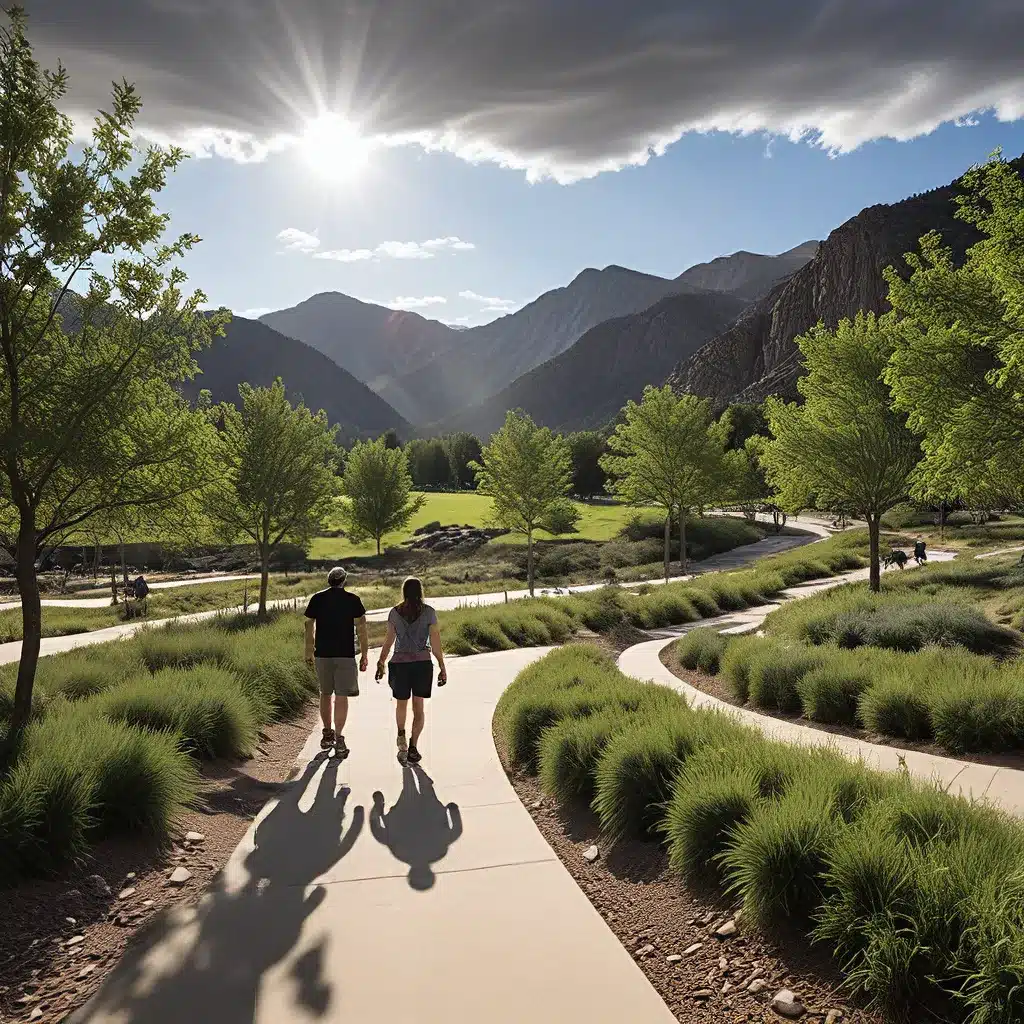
[[378, 487], [276, 473], [527, 472], [668, 452], [91, 421], [845, 445]]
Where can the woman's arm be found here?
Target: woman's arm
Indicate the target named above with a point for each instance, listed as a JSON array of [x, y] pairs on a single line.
[[389, 641], [435, 647]]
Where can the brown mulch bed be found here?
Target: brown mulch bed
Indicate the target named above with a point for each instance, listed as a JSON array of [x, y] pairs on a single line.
[[46, 970], [718, 687], [656, 916]]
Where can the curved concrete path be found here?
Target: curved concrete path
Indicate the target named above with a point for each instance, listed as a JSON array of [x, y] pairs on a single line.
[[1004, 787], [104, 602], [368, 892]]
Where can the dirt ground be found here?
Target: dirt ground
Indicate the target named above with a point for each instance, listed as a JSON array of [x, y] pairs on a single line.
[[61, 936]]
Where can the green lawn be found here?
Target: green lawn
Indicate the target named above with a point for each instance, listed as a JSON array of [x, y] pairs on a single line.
[[598, 522]]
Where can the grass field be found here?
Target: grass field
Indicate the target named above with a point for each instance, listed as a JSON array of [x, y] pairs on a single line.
[[598, 522]]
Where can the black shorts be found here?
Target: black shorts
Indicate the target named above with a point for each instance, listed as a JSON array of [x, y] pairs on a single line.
[[411, 679]]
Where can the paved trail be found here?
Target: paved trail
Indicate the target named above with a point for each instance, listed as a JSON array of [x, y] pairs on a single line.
[[368, 892]]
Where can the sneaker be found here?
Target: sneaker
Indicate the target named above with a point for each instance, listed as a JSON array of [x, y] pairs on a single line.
[[403, 746], [340, 747], [413, 756], [328, 739]]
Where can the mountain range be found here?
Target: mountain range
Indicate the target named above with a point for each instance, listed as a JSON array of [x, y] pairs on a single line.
[[253, 352], [571, 358]]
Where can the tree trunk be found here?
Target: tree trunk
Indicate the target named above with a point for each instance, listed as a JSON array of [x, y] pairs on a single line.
[[682, 543], [875, 572], [529, 560], [97, 556], [124, 565], [261, 612], [113, 583], [31, 630], [378, 544], [668, 547]]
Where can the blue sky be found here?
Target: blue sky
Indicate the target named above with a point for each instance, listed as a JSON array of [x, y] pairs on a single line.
[[708, 195], [528, 140]]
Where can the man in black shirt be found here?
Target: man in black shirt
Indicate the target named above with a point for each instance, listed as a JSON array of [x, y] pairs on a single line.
[[332, 618]]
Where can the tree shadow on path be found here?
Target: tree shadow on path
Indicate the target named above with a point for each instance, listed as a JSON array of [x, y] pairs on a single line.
[[419, 829], [205, 963]]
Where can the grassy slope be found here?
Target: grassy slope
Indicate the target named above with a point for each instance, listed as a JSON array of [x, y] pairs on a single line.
[[598, 522]]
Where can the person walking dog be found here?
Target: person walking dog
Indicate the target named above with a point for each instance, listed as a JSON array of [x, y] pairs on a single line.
[[333, 616], [414, 634]]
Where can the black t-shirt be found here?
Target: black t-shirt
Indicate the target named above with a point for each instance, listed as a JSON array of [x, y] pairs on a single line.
[[335, 611]]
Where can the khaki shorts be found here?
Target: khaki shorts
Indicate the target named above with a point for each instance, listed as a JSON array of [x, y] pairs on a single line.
[[338, 676]]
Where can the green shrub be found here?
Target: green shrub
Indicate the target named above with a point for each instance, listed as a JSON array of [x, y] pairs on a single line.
[[708, 803], [978, 711], [182, 646], [701, 649], [830, 691], [775, 675], [776, 859], [205, 706], [569, 751], [737, 662], [897, 705], [273, 680], [636, 770]]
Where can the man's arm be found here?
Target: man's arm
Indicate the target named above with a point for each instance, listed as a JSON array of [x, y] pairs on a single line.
[[364, 643], [310, 638]]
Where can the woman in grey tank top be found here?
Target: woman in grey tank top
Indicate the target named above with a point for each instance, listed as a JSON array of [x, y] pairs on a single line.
[[413, 633]]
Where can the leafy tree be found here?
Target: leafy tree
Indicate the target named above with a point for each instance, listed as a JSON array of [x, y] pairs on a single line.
[[845, 445], [668, 452], [463, 449], [391, 439], [379, 490], [91, 421], [428, 462], [276, 479], [588, 477], [742, 421], [957, 370], [527, 471]]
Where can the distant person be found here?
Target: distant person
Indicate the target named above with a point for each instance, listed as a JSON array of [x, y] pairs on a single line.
[[332, 618], [141, 588], [920, 556], [413, 632]]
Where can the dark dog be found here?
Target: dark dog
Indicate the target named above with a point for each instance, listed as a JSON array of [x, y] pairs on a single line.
[[895, 557]]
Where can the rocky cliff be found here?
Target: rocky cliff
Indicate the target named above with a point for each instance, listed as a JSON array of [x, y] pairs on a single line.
[[756, 356]]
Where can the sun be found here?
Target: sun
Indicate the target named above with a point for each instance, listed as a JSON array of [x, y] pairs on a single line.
[[333, 146]]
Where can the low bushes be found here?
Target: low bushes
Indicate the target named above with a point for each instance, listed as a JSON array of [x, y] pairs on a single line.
[[702, 649], [545, 621], [917, 894], [121, 727]]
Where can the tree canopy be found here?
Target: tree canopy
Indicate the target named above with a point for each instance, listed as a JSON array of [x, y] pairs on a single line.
[[378, 486], [91, 421], [276, 473], [669, 452], [957, 369], [844, 448], [527, 471]]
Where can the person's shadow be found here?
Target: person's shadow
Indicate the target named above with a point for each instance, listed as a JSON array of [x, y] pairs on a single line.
[[419, 829], [211, 958]]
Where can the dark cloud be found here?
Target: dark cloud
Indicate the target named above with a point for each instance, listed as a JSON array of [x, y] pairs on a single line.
[[564, 88]]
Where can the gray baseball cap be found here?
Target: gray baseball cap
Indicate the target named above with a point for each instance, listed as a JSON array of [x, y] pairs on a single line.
[[337, 576]]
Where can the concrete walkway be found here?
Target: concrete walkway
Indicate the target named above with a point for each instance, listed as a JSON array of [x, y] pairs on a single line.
[[104, 602], [734, 559], [1003, 787], [368, 892]]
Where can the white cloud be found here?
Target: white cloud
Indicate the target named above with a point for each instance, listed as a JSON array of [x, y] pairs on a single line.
[[386, 250], [561, 90], [489, 303], [252, 314], [295, 240], [412, 302]]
